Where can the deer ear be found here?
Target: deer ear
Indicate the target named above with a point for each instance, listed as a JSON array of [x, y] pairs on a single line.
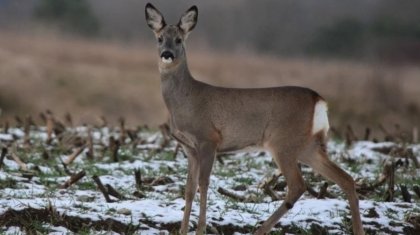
[[154, 18], [188, 20]]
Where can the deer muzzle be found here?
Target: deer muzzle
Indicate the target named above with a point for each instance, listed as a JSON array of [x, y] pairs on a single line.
[[167, 57]]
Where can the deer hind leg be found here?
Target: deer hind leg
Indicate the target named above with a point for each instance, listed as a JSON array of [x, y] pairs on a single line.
[[320, 162], [191, 186], [295, 188]]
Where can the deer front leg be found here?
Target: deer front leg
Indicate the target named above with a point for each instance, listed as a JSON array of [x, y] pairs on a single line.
[[191, 186], [207, 154]]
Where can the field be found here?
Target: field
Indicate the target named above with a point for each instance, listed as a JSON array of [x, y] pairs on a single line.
[[100, 179], [90, 78], [110, 169]]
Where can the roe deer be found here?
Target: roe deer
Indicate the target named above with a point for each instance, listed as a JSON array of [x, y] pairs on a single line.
[[290, 123]]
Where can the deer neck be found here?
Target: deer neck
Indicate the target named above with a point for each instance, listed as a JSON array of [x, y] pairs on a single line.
[[177, 84]]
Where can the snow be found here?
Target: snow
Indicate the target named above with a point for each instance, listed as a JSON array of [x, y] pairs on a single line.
[[12, 230], [164, 204], [6, 137]]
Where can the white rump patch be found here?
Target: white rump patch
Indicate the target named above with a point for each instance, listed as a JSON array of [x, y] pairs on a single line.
[[167, 61], [320, 120]]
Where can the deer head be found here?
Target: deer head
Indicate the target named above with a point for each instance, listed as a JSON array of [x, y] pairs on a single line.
[[171, 38]]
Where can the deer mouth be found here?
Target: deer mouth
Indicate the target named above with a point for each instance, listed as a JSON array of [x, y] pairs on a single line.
[[167, 57], [167, 60]]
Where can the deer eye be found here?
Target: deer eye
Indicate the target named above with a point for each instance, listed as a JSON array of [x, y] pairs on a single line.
[[178, 40], [160, 39]]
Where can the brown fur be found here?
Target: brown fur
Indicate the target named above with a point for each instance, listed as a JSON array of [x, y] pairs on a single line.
[[209, 119]]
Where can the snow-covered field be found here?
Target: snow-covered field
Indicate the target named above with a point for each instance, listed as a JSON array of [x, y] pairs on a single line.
[[32, 200]]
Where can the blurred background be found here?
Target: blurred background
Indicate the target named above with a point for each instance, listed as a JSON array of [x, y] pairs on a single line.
[[97, 57]]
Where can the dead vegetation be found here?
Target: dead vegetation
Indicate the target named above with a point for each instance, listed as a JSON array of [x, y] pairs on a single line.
[[24, 218], [93, 78], [81, 146]]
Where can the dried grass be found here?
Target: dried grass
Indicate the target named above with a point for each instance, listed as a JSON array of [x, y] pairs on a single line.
[[93, 78]]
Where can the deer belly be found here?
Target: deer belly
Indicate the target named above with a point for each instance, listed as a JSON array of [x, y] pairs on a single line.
[[241, 141]]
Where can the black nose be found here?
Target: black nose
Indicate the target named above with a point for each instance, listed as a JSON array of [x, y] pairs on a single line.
[[167, 55]]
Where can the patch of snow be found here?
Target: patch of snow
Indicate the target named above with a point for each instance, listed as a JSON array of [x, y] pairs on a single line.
[[6, 137], [12, 230], [164, 203]]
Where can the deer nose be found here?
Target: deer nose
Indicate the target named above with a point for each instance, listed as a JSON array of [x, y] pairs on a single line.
[[167, 55]]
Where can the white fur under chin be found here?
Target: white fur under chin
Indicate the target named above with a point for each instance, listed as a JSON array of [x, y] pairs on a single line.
[[167, 61], [320, 120]]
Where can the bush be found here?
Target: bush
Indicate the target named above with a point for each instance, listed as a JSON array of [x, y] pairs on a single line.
[[384, 38], [344, 38], [70, 15], [389, 27]]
